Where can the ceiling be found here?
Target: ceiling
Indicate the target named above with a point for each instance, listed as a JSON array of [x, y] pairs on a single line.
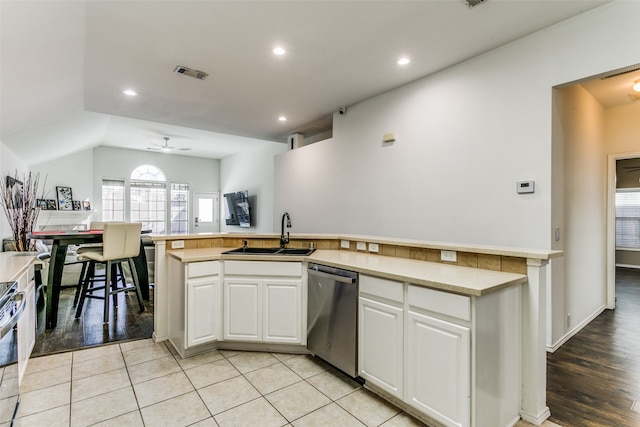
[[64, 65]]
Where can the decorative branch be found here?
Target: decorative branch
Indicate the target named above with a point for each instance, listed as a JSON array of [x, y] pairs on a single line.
[[18, 200]]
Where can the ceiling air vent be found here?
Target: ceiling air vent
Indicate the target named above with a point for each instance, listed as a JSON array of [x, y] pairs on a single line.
[[621, 73], [200, 75], [472, 3]]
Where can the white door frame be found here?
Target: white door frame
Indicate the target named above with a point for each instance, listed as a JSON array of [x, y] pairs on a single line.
[[611, 224]]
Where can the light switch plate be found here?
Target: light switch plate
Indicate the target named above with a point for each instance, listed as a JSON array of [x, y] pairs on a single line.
[[450, 256], [344, 244], [177, 244], [361, 246]]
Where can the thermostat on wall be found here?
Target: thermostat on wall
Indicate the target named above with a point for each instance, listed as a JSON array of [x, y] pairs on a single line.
[[524, 187]]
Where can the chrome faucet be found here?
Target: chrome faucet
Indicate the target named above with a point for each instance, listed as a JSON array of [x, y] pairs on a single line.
[[285, 240]]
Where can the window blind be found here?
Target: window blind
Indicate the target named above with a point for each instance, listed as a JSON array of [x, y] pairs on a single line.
[[628, 219]]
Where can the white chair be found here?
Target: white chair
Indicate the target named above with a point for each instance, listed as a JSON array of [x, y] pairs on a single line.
[[120, 243]]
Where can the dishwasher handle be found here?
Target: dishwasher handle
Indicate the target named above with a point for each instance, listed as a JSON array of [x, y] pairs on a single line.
[[336, 277], [21, 304]]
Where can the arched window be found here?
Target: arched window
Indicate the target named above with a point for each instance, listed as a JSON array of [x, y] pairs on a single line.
[[148, 201], [148, 173]]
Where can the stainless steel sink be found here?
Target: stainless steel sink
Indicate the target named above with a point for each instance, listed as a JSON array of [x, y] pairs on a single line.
[[253, 251], [269, 251]]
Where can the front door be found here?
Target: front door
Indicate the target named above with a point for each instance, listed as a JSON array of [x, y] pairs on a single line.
[[206, 212]]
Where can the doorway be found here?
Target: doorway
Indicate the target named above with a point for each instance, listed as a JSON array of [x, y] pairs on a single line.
[[206, 212], [617, 166]]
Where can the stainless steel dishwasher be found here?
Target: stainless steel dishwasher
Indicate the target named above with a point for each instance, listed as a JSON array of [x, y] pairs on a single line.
[[332, 316]]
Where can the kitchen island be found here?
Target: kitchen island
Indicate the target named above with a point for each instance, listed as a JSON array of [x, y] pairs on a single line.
[[503, 288]]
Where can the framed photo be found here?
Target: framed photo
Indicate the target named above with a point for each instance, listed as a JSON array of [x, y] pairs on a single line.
[[52, 205], [77, 205], [86, 205], [42, 204], [16, 188], [65, 201]]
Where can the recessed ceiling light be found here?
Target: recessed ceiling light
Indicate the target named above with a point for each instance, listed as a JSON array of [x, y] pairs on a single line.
[[279, 51], [282, 118], [403, 61], [130, 92], [636, 86]]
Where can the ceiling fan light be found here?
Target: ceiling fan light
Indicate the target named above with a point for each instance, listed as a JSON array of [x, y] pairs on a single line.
[[636, 85]]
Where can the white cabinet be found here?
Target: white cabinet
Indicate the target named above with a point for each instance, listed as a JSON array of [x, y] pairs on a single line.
[[195, 303], [243, 309], [438, 369], [263, 301], [282, 311], [381, 333], [438, 349], [27, 322]]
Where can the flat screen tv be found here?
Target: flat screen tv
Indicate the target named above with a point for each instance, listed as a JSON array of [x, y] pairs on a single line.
[[237, 210]]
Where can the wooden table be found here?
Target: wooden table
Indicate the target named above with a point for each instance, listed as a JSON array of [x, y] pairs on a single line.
[[61, 240]]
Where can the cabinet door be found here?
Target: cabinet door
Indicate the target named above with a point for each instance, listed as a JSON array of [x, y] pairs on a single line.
[[27, 322], [380, 347], [204, 310], [438, 372], [243, 309], [283, 311]]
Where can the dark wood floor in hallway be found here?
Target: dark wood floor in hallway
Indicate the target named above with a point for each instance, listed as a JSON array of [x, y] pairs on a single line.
[[594, 378]]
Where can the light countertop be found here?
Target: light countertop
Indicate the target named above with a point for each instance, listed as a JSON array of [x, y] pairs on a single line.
[[461, 247], [13, 264], [451, 278]]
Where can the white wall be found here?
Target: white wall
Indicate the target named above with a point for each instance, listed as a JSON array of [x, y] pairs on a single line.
[[252, 170], [74, 170], [585, 170], [9, 165], [202, 175], [465, 136]]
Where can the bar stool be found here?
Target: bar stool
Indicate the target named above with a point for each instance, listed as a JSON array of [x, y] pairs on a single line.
[[120, 243]]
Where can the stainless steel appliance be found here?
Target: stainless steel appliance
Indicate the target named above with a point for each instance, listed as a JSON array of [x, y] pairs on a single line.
[[332, 316], [12, 305]]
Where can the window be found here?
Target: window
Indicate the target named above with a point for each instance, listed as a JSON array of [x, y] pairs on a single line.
[[112, 200], [179, 208], [148, 193], [628, 218], [149, 205]]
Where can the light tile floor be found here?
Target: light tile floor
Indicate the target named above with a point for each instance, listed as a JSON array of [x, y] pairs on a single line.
[[142, 383]]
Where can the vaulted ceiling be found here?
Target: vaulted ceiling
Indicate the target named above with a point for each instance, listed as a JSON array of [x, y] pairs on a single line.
[[64, 65]]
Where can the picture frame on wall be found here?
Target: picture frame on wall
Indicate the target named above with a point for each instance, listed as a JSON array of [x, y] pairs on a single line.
[[77, 205], [15, 187], [65, 200], [52, 205]]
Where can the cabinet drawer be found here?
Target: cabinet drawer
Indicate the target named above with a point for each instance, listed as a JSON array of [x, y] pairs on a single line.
[[383, 288], [203, 268], [263, 268], [445, 303]]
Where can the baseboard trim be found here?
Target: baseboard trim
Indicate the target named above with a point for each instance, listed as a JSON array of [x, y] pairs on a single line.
[[575, 330]]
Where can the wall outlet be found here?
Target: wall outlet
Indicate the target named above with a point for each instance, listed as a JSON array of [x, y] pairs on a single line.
[[361, 246], [450, 256], [177, 244], [373, 247], [344, 244]]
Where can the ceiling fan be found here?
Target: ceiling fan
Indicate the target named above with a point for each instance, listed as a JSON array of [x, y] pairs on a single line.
[[166, 147], [631, 168]]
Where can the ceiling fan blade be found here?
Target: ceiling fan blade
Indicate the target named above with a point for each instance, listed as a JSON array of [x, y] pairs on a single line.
[[182, 149]]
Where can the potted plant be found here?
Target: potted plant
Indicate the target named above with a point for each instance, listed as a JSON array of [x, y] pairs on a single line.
[[18, 199]]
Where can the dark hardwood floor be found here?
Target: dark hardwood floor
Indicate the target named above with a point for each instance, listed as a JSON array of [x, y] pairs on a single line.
[[594, 378], [127, 323]]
